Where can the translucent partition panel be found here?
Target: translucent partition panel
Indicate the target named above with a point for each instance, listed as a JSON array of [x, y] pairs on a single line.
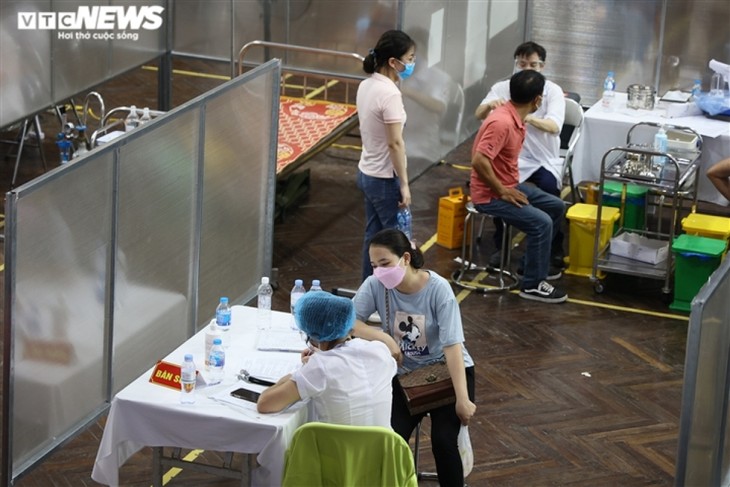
[[62, 233], [702, 457], [155, 235], [104, 257], [239, 181]]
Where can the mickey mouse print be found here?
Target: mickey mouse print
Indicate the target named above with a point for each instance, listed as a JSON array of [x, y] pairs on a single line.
[[410, 334]]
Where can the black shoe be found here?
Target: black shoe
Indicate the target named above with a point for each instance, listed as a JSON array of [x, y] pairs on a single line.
[[553, 273], [544, 292]]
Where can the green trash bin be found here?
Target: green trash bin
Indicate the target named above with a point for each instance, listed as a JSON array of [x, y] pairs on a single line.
[[696, 258], [634, 208]]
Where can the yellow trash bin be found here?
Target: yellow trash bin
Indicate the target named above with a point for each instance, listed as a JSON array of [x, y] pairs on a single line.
[[582, 219], [452, 210], [707, 226]]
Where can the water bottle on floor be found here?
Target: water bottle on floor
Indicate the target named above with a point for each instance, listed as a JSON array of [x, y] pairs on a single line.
[[187, 381], [263, 304], [217, 362]]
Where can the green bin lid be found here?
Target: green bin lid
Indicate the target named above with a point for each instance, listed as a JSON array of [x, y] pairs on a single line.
[[699, 245], [632, 190]]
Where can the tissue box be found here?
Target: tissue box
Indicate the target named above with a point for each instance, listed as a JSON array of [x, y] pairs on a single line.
[[637, 247]]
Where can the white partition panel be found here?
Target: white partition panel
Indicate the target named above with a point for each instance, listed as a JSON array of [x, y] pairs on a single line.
[[61, 246], [109, 259]]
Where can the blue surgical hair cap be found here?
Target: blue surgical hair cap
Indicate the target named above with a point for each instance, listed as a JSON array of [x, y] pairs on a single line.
[[324, 316]]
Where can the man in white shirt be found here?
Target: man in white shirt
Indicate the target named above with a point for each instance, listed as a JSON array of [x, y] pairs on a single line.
[[539, 161], [347, 380]]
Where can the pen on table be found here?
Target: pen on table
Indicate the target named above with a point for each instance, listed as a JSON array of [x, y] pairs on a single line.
[[261, 382]]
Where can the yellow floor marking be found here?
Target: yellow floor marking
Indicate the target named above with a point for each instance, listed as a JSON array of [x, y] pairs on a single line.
[[173, 472], [191, 73], [642, 355], [343, 146], [515, 241]]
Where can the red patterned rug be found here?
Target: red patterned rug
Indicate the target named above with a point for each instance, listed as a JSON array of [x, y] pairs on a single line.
[[304, 123]]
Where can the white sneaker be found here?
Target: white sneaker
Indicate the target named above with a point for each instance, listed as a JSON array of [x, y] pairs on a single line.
[[374, 318]]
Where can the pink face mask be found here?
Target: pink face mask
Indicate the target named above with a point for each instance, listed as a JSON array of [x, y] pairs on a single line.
[[390, 277]]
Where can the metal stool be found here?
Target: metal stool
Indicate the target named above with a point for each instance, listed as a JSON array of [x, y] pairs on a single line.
[[21, 142], [465, 276], [417, 454]]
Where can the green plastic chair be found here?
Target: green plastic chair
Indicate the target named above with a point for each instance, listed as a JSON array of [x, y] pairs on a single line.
[[323, 454]]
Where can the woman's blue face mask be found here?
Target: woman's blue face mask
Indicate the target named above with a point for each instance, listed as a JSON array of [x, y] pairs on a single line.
[[408, 71]]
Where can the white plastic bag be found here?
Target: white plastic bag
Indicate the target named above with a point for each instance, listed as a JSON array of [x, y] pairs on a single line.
[[465, 451]]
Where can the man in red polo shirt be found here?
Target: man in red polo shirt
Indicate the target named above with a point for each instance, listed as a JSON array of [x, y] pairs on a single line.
[[496, 190]]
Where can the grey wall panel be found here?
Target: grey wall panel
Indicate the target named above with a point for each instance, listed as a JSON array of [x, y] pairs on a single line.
[[25, 67], [204, 28], [157, 202], [238, 183], [584, 40], [63, 230], [696, 31]]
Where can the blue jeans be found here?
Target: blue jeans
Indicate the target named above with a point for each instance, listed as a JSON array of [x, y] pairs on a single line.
[[382, 196], [539, 221]]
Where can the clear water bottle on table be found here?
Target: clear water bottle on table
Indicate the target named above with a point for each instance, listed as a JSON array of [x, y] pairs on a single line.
[[316, 286], [223, 315], [263, 304], [696, 89], [187, 381], [217, 361], [609, 92], [296, 292]]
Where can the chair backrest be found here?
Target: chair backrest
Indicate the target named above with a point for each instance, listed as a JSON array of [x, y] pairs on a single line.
[[338, 455], [571, 124]]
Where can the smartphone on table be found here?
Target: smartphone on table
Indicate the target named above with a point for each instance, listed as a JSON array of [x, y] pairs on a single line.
[[246, 394]]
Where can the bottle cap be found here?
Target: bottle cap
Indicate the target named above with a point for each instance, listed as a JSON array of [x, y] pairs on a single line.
[[264, 280], [188, 357], [315, 282], [224, 300], [610, 73], [217, 341], [298, 282]]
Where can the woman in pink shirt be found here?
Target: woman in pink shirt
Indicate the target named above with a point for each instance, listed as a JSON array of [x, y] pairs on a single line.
[[382, 174]]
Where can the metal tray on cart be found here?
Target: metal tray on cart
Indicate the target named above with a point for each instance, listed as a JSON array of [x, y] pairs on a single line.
[[640, 164]]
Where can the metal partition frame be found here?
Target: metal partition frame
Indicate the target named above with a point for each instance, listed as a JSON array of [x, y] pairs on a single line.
[[114, 259], [703, 455]]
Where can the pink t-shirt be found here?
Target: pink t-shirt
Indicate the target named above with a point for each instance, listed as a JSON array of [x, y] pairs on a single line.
[[499, 138], [379, 102]]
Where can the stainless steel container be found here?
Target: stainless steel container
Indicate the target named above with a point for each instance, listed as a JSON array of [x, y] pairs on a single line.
[[640, 97]]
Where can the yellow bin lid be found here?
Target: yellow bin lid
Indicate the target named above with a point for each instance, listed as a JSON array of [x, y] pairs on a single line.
[[707, 225], [587, 213]]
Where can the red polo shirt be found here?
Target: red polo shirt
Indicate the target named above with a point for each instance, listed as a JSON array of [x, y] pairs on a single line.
[[499, 138]]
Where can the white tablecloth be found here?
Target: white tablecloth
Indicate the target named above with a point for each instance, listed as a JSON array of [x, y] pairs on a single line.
[[147, 414], [603, 130]]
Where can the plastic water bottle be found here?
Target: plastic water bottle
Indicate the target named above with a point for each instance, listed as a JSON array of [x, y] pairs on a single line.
[[132, 120], [211, 333], [661, 144], [223, 315], [217, 360], [716, 85], [81, 146], [296, 292], [146, 117], [404, 221], [263, 304], [187, 381], [609, 91], [696, 89], [315, 285], [64, 146]]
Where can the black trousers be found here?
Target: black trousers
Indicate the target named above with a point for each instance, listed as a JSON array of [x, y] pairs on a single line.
[[445, 425]]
